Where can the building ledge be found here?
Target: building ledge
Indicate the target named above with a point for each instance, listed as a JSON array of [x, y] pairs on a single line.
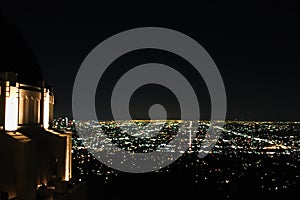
[[19, 136]]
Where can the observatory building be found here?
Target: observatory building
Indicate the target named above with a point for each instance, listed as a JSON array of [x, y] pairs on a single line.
[[31, 153]]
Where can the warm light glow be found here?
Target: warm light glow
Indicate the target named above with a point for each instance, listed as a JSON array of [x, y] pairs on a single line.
[[68, 153], [46, 109], [68, 160], [11, 108]]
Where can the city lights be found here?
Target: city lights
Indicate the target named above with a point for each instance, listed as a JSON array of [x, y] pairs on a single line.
[[244, 147]]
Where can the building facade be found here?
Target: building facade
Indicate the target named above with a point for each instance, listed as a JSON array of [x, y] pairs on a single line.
[[31, 153]]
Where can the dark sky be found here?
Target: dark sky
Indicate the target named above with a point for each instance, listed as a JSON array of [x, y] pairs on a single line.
[[256, 48]]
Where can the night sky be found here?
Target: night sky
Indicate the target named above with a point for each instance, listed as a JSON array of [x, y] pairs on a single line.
[[256, 48]]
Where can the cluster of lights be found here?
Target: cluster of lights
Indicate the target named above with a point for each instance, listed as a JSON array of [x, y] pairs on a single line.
[[254, 146]]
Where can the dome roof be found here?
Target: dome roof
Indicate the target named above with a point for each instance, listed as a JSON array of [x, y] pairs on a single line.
[[16, 56]]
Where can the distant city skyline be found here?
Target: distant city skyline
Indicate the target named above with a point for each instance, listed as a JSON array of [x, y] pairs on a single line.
[[261, 157], [255, 48]]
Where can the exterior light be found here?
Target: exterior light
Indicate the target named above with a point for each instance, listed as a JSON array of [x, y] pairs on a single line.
[[46, 109], [11, 107]]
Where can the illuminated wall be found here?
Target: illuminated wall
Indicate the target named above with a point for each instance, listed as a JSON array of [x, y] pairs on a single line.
[[22, 105], [46, 108], [51, 108], [68, 158], [2, 105], [29, 106], [11, 106]]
